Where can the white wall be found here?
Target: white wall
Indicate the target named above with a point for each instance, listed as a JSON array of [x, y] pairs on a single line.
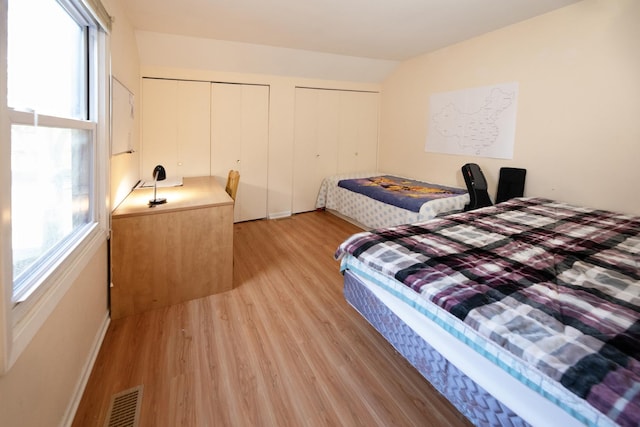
[[171, 56], [167, 50], [45, 384], [125, 66], [578, 118]]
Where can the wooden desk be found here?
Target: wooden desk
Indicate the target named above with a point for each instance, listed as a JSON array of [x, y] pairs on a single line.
[[174, 252]]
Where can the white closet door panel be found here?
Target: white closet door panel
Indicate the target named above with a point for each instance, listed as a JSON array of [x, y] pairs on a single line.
[[175, 127], [348, 144], [252, 191], [239, 140], [159, 126], [226, 128], [317, 130], [305, 131], [367, 105], [304, 151], [193, 128], [358, 132], [328, 133]]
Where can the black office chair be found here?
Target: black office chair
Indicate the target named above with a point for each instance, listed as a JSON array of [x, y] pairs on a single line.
[[510, 183], [477, 187]]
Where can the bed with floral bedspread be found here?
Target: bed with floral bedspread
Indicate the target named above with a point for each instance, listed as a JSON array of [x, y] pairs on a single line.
[[373, 200]]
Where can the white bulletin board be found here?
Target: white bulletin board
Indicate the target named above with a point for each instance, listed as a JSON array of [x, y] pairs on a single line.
[[122, 114]]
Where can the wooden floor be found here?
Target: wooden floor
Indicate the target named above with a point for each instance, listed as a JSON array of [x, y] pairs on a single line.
[[283, 348]]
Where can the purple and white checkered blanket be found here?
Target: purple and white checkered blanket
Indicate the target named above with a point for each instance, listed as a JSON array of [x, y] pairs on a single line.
[[556, 285]]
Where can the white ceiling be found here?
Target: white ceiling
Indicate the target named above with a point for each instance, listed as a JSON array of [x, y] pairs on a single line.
[[381, 29]]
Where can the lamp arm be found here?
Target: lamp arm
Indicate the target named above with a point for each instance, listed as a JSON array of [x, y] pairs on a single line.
[[155, 182]]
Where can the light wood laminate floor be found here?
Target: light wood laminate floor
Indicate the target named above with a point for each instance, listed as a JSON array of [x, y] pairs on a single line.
[[283, 348]]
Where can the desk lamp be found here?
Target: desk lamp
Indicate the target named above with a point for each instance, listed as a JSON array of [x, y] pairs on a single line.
[[159, 174]]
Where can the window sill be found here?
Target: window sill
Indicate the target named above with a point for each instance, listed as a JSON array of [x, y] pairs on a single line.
[[30, 316]]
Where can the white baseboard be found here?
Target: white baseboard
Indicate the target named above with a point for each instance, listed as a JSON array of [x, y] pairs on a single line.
[[70, 413], [278, 215]]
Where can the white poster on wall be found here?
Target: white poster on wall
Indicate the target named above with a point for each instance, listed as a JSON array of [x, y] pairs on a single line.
[[478, 121]]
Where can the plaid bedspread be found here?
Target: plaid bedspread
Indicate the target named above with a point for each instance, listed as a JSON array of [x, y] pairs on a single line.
[[556, 285], [401, 192]]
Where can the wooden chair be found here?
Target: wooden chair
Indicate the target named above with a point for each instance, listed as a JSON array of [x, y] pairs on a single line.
[[232, 183]]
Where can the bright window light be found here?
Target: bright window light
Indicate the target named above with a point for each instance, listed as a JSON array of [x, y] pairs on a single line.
[[46, 74], [52, 139]]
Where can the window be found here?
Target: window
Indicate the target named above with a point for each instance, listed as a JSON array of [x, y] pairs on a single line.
[[56, 93], [52, 138], [47, 72], [51, 198]]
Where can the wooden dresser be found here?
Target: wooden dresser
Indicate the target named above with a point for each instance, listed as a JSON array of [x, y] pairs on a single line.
[[173, 252]]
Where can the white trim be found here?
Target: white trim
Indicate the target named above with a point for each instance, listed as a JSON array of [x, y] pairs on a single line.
[[72, 408], [6, 262], [32, 117], [38, 278], [32, 320], [278, 215]]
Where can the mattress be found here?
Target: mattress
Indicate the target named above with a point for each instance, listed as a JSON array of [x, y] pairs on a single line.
[[371, 213], [545, 291], [482, 391]]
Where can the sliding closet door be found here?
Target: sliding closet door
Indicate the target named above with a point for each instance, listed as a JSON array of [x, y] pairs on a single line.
[[239, 140], [315, 151], [335, 131], [175, 127], [358, 143]]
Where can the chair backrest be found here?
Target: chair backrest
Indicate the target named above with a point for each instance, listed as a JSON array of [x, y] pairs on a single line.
[[510, 183], [232, 183], [476, 186]]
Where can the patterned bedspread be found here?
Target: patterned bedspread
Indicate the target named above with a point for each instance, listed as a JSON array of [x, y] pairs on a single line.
[[401, 192], [554, 285], [374, 214]]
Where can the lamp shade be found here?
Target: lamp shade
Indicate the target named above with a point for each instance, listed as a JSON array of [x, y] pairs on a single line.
[[159, 173]]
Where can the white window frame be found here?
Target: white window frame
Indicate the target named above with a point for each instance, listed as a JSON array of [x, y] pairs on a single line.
[[19, 323]]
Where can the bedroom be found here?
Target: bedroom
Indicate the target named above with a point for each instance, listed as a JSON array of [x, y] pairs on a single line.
[[577, 134]]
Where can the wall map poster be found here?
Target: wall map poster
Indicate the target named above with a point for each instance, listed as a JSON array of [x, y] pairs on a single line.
[[478, 121]]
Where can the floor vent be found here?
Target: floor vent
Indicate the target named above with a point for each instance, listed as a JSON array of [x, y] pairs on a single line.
[[124, 409]]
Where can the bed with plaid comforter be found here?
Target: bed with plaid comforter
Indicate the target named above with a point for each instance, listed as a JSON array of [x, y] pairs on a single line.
[[555, 286]]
